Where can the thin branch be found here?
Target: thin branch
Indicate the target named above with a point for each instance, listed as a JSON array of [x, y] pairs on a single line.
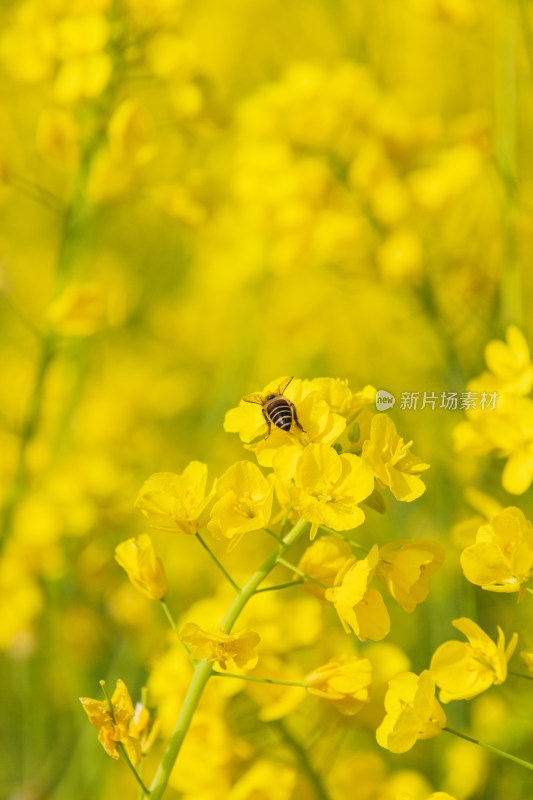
[[301, 573], [312, 775], [492, 749], [217, 562], [280, 586], [257, 680]]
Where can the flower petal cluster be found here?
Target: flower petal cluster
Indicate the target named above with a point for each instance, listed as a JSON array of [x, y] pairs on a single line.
[[405, 567], [390, 459], [359, 608], [339, 397], [501, 560], [506, 428], [144, 728], [235, 648], [116, 725], [463, 670], [322, 561], [345, 682], [413, 712], [245, 503], [326, 487], [176, 502], [509, 363], [45, 43], [145, 570]]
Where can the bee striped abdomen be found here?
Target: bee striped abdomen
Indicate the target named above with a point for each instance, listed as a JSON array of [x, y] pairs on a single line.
[[280, 413]]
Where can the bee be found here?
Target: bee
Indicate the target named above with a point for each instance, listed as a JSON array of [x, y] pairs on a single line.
[[277, 409]]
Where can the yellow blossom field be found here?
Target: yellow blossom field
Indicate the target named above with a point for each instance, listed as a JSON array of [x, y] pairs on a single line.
[[266, 414]]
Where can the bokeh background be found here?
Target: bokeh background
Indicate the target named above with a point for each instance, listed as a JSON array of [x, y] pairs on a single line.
[[196, 198]]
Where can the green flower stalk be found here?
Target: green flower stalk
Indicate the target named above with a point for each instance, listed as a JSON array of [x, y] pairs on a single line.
[[204, 669]]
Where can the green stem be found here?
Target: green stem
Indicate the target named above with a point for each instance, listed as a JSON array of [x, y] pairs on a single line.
[[274, 535], [304, 575], [217, 562], [73, 223], [312, 776], [520, 675], [169, 616], [344, 538], [6, 296], [204, 669], [38, 194], [505, 105], [257, 679], [172, 623], [280, 586], [122, 749], [492, 749], [29, 428], [525, 28], [285, 518]]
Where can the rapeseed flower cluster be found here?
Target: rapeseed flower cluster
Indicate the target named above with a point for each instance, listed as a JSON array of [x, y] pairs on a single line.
[[315, 487]]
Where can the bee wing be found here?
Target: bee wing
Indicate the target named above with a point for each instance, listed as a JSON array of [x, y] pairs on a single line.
[[254, 398], [284, 383]]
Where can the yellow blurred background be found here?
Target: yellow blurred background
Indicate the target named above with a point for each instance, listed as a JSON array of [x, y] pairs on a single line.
[[197, 197]]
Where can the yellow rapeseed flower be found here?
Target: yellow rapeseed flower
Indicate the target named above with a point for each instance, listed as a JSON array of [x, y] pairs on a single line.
[[145, 570], [80, 310], [58, 137], [326, 486], [508, 430], [501, 560], [176, 502], [505, 422], [236, 648], [359, 608], [510, 366], [463, 670], [339, 397], [245, 503], [130, 133], [440, 796], [82, 78], [405, 567], [413, 712], [345, 682], [322, 561], [115, 724], [387, 455]]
